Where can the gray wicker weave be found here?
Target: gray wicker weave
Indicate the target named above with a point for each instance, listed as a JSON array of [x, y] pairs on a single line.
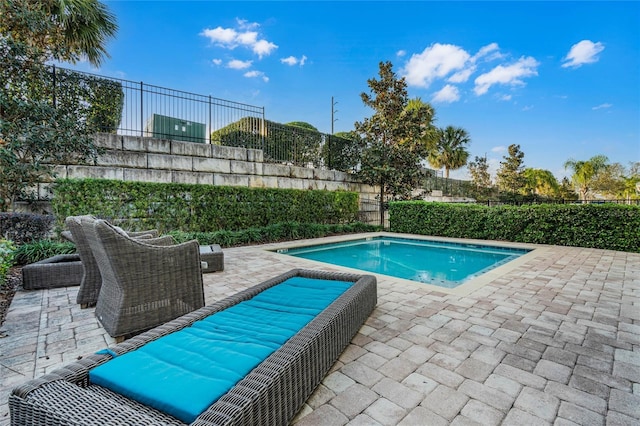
[[271, 394], [143, 285], [63, 270], [91, 280], [213, 256]]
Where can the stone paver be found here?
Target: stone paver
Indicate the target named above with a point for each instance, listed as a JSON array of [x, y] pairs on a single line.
[[552, 340]]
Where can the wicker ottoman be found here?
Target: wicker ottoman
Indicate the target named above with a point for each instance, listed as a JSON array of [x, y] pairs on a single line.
[[213, 257], [64, 270]]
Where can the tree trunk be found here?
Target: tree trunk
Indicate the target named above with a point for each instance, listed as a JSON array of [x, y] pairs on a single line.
[[382, 205]]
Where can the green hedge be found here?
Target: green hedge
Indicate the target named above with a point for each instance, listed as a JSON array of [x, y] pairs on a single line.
[[605, 226], [198, 208]]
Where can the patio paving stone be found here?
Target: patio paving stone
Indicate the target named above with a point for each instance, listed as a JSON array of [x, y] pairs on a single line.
[[553, 340]]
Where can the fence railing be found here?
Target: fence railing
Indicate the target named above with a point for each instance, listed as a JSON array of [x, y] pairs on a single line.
[[134, 108]]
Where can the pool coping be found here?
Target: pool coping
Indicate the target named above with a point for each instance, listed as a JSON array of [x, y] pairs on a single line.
[[464, 289]]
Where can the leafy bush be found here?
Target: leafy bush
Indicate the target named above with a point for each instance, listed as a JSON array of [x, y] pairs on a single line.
[[198, 208], [272, 233], [40, 250], [6, 258], [24, 227], [605, 226]]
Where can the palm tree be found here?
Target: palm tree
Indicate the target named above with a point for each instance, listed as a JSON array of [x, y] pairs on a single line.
[[585, 172], [450, 152], [67, 30]]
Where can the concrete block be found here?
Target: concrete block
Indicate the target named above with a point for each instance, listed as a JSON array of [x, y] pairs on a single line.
[[276, 170], [162, 146], [230, 180], [123, 159], [108, 140], [301, 172], [538, 403], [148, 175], [193, 149], [213, 165], [159, 161], [263, 182], [246, 168], [192, 178], [228, 152], [135, 143], [287, 183], [354, 400], [96, 172], [255, 155], [324, 174]]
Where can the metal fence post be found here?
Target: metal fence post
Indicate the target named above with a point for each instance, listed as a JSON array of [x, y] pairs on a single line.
[[54, 85], [210, 123], [141, 108]]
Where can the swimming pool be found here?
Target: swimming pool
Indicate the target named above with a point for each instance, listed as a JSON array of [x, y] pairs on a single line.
[[444, 264]]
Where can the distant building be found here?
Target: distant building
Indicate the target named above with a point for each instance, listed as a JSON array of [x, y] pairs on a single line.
[[163, 127]]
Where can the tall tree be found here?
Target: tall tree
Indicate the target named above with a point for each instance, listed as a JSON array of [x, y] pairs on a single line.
[[510, 177], [451, 149], [585, 173], [34, 132], [540, 182], [479, 171], [395, 137]]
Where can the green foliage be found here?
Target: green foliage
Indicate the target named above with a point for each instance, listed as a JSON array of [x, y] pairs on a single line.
[[510, 177], [343, 151], [605, 226], [451, 149], [6, 258], [25, 227], [37, 131], [292, 143], [586, 172], [276, 232], [40, 250], [198, 208], [396, 137]]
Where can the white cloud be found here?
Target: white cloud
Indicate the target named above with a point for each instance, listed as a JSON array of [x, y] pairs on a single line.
[[583, 52], [602, 106], [511, 75], [436, 61], [401, 53], [462, 76], [243, 35], [527, 107], [239, 65], [256, 74], [217, 61], [263, 48], [448, 93], [292, 60], [499, 149], [505, 98]]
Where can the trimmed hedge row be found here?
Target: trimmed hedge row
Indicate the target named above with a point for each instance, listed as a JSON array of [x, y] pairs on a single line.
[[198, 208], [605, 226]]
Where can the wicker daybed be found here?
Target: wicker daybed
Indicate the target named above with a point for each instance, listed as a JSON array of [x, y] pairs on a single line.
[[271, 393]]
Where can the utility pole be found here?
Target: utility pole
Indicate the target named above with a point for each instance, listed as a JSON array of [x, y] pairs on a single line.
[[333, 111]]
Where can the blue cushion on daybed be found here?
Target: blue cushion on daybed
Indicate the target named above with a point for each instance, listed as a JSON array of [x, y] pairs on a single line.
[[185, 372]]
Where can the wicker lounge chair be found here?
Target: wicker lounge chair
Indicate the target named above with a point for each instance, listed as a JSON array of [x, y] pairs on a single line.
[[271, 393], [143, 285], [91, 280]]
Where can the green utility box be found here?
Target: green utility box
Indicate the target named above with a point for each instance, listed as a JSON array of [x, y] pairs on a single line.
[[163, 127]]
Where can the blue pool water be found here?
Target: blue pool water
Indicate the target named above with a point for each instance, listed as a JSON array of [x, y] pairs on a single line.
[[432, 262]]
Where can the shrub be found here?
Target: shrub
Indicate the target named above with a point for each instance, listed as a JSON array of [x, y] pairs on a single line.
[[6, 258], [605, 226], [199, 208], [24, 227], [40, 250], [272, 233]]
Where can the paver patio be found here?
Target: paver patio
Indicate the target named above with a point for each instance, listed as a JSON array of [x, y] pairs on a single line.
[[554, 339]]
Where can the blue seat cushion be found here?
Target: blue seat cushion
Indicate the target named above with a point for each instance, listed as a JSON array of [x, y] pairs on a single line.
[[185, 372]]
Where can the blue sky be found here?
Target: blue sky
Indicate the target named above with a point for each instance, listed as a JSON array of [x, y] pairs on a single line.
[[561, 79]]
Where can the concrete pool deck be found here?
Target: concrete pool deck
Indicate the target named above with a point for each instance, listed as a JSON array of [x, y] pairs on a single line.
[[551, 339]]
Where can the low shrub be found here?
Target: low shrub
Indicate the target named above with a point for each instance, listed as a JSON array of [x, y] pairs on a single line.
[[6, 258], [272, 233], [605, 226], [40, 250], [198, 208], [25, 227]]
